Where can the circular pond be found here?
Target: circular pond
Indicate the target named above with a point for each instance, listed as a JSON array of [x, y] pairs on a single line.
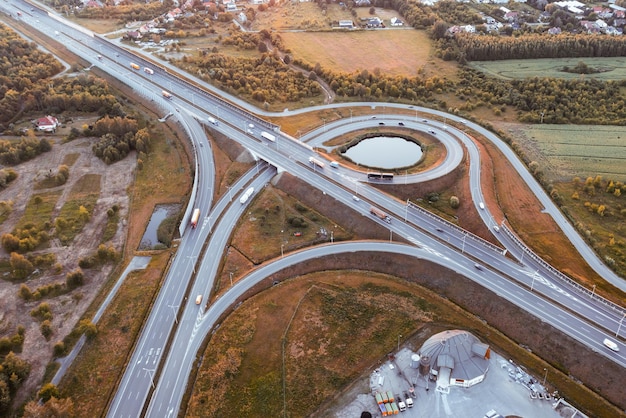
[[386, 152]]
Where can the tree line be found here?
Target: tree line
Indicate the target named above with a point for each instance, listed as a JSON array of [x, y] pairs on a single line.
[[532, 46]]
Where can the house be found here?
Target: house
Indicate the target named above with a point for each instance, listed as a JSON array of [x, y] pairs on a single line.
[[47, 124], [511, 16], [554, 31], [346, 24], [396, 22], [134, 35], [374, 22]]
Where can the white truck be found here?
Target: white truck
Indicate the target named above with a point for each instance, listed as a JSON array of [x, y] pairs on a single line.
[[244, 197]]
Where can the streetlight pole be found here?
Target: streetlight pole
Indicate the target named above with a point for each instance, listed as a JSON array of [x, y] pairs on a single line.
[[463, 247], [331, 237], [620, 325], [282, 254], [399, 335], [231, 278], [593, 291], [406, 210], [324, 124], [533, 282], [350, 115], [390, 235], [544, 377]]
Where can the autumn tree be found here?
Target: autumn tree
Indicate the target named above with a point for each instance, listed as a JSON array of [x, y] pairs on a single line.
[[20, 265]]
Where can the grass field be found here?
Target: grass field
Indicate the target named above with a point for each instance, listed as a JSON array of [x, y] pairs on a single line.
[[614, 68], [576, 150], [394, 52]]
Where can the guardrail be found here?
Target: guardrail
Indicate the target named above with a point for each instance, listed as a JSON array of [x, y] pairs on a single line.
[[460, 230], [527, 252]]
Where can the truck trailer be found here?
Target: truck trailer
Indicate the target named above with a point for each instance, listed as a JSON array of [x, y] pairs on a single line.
[[380, 214], [195, 217], [316, 162], [244, 197], [268, 136]]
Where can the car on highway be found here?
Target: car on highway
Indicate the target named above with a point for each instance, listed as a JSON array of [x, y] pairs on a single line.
[[356, 199], [198, 299], [381, 123], [478, 266], [610, 344], [401, 123]]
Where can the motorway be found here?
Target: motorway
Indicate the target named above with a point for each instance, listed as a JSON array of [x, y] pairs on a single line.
[[176, 326]]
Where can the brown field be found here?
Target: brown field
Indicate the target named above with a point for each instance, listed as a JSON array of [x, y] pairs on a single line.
[[394, 52]]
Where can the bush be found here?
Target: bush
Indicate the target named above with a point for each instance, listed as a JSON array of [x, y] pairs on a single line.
[[75, 278]]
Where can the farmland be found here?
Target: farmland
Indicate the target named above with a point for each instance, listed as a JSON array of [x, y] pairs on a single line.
[[394, 52], [565, 151], [610, 68]]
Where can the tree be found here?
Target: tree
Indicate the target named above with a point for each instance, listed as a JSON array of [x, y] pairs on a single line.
[[454, 202], [46, 329], [53, 408], [440, 28], [74, 278], [88, 328], [48, 391], [20, 265]]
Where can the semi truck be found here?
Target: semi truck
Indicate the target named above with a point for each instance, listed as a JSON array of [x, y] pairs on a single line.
[[268, 136], [194, 217], [166, 94], [380, 214], [316, 162], [134, 66], [244, 197]]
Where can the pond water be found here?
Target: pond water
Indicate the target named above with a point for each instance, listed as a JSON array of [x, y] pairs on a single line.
[[386, 152], [149, 239]]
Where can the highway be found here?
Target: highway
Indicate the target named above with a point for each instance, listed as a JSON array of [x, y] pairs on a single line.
[[531, 286]]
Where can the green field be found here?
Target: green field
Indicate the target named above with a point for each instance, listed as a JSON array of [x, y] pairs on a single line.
[[579, 150], [614, 68]]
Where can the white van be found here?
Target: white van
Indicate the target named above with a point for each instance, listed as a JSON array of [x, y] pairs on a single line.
[[610, 344], [481, 205], [334, 164]]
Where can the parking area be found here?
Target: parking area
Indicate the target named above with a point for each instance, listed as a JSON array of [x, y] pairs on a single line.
[[506, 390]]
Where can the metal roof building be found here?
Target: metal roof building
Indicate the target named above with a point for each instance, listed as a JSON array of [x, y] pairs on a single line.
[[456, 358]]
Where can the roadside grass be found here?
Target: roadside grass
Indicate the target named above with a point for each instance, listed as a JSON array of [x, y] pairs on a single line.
[[272, 222], [606, 234], [72, 217], [93, 376], [393, 52], [614, 69]]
